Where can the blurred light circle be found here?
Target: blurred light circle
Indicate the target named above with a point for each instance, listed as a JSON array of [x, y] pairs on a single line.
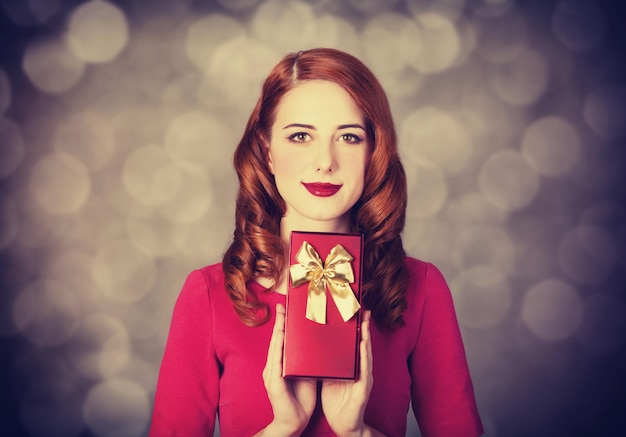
[[335, 32], [155, 237], [388, 41], [431, 134], [101, 346], [152, 62], [429, 239], [34, 227], [198, 142], [150, 176], [78, 230], [579, 24], [9, 221], [489, 120], [208, 242], [285, 26], [46, 313], [321, 4], [400, 84], [59, 183], [468, 40], [12, 150], [372, 7], [551, 146], [207, 34], [604, 111], [87, 136], [51, 66], [483, 245], [238, 5], [137, 123], [118, 199], [500, 38], [122, 272], [472, 207], [117, 407], [144, 372], [522, 80], [194, 200], [482, 296], [237, 70], [507, 181], [145, 327], [6, 96], [587, 254], [450, 9], [552, 310], [607, 214], [537, 260], [427, 188], [603, 330], [439, 44], [44, 10], [97, 31], [71, 267]]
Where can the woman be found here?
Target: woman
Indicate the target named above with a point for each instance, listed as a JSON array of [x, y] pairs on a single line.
[[319, 153]]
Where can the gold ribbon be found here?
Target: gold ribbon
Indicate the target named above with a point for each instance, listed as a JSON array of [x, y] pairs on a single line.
[[336, 273]]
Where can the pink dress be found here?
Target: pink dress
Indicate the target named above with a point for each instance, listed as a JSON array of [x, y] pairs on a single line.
[[213, 363]]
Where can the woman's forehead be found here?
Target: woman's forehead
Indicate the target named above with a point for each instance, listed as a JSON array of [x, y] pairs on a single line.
[[318, 100]]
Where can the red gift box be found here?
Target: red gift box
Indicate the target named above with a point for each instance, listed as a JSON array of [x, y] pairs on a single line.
[[324, 345]]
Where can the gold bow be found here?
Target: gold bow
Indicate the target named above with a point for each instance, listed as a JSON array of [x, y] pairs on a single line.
[[336, 272]]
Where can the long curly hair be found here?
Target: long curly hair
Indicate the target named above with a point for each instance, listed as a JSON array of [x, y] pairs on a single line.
[[257, 248]]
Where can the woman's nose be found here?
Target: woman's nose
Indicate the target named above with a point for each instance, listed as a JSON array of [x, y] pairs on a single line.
[[325, 160]]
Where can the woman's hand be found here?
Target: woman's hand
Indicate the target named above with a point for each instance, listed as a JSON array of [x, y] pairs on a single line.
[[344, 402], [293, 401]]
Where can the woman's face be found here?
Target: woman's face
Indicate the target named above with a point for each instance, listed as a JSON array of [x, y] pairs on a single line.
[[318, 154]]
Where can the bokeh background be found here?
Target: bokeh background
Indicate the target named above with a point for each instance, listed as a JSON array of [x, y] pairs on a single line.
[[118, 121]]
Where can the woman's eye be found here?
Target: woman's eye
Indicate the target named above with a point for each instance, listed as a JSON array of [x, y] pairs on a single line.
[[299, 137], [350, 138]]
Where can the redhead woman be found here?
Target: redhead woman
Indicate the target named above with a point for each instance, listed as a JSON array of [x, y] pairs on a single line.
[[319, 153]]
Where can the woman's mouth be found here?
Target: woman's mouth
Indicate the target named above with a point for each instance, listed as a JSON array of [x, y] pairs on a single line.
[[320, 189]]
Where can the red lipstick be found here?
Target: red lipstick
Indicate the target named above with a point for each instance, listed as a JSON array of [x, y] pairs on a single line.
[[321, 189]]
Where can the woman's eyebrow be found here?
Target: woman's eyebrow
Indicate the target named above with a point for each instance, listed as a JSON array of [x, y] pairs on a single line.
[[306, 126], [350, 126], [310, 126]]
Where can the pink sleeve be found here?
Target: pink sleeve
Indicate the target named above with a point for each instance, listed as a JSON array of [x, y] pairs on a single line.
[[188, 386], [442, 392]]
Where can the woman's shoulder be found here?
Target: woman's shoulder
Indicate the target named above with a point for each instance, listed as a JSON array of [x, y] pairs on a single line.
[[415, 265], [212, 272], [203, 283], [424, 276], [420, 268]]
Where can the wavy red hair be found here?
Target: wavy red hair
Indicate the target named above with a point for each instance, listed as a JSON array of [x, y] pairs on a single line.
[[257, 248]]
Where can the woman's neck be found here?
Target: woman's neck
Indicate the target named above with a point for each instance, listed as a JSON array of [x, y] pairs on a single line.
[[287, 225]]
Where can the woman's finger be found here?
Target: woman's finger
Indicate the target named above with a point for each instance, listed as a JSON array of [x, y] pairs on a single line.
[[366, 346], [279, 327], [275, 349]]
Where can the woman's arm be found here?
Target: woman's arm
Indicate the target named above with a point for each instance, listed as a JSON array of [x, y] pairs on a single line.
[[187, 392], [442, 391]]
